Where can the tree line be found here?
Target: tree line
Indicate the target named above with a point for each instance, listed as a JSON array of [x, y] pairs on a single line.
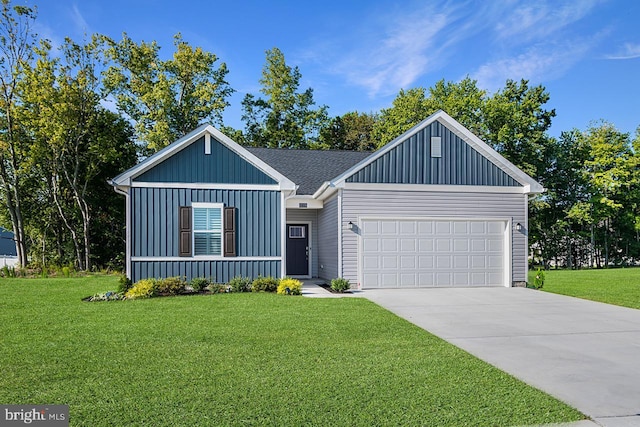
[[74, 116]]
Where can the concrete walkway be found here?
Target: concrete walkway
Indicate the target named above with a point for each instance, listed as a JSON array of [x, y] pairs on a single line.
[[585, 353]]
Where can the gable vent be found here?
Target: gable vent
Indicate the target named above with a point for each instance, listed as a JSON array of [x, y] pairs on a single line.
[[207, 144], [436, 146]]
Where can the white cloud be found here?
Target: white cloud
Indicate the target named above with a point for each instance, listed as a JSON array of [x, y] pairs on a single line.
[[628, 51], [535, 20], [539, 63], [408, 46], [79, 21]]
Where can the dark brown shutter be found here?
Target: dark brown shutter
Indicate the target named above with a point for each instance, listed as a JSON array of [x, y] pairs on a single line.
[[184, 224], [230, 231]]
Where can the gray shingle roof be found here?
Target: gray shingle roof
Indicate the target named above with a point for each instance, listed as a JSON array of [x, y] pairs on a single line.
[[308, 168]]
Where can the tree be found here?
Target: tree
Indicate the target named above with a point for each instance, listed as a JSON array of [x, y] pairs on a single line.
[[16, 41], [351, 131], [285, 117], [75, 138], [408, 108], [516, 123], [166, 99]]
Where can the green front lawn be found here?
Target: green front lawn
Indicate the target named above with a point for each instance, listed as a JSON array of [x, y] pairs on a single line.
[[244, 359], [619, 286]]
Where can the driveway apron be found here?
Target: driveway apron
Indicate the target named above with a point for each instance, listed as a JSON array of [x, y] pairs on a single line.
[[585, 353]]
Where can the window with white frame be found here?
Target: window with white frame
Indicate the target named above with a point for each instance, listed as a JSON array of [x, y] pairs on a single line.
[[207, 229]]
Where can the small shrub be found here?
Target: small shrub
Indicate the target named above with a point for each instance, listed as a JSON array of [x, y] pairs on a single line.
[[340, 284], [289, 286], [66, 271], [199, 284], [145, 288], [107, 296], [265, 284], [124, 284], [8, 271], [240, 284], [538, 281], [218, 288], [171, 286]]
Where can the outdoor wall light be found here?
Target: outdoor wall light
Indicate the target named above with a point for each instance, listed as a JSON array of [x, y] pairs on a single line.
[[352, 226], [518, 227]]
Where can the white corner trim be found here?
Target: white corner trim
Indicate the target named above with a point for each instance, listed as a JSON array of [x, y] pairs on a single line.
[[205, 186], [283, 235], [340, 273], [433, 188]]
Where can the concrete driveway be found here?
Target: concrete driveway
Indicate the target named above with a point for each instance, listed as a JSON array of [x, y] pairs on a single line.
[[585, 353]]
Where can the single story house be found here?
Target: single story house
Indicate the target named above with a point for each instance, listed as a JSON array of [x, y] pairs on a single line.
[[434, 207]]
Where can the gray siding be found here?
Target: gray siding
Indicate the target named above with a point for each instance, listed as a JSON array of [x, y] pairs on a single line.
[[217, 271], [399, 204], [191, 165], [304, 216], [154, 221], [328, 240], [410, 162]]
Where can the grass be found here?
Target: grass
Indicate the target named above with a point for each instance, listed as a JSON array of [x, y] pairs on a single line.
[[243, 360], [619, 286]]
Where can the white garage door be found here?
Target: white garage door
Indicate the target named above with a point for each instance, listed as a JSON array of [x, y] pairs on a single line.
[[424, 253]]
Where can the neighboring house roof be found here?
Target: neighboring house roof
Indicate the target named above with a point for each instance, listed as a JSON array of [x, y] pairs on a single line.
[[7, 245], [309, 169]]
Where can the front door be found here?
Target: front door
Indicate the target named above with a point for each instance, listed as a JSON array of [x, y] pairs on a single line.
[[297, 249]]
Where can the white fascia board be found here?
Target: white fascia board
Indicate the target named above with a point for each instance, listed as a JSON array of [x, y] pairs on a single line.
[[125, 179], [529, 183], [433, 188]]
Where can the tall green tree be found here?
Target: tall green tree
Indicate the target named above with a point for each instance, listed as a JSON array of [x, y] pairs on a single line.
[[16, 42], [166, 98], [351, 131], [408, 108], [285, 117], [75, 138], [516, 124]]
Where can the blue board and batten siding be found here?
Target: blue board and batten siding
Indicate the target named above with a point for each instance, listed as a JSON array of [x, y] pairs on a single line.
[[410, 162], [154, 210], [191, 165], [154, 232]]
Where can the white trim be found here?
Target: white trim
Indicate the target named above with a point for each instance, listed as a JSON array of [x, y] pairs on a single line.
[[508, 250], [206, 205], [127, 177], [310, 245], [431, 188], [293, 202], [205, 186], [507, 237], [340, 273], [283, 235], [204, 258], [462, 132]]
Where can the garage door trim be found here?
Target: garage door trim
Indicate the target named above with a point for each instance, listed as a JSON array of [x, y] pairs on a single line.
[[507, 239]]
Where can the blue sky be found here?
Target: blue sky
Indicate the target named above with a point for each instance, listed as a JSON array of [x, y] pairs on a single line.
[[357, 55]]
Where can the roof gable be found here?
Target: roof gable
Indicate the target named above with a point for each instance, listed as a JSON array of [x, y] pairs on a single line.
[[464, 160], [185, 161]]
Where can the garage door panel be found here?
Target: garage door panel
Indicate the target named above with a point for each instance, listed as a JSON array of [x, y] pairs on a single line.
[[425, 253]]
